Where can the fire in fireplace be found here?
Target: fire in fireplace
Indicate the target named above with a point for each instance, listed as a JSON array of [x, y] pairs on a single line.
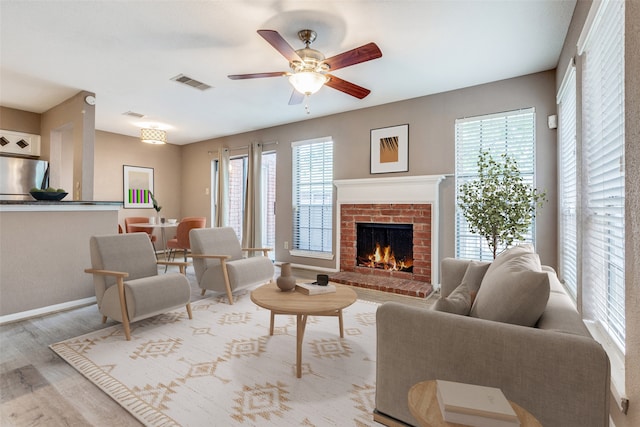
[[385, 246]]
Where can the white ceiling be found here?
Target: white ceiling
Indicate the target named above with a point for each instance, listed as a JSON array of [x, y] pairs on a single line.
[[126, 52]]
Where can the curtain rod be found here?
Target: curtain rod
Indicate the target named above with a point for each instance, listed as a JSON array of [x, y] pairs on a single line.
[[242, 147]]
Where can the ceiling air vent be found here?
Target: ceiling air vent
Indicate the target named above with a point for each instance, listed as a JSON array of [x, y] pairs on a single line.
[[133, 114], [181, 78]]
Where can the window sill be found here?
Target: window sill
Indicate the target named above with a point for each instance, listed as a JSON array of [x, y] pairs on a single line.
[[311, 254]]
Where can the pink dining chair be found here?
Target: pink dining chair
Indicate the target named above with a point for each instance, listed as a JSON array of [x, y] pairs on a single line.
[[140, 220], [181, 240]]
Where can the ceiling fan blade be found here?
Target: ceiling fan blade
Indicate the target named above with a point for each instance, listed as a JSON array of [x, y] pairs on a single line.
[[257, 75], [275, 39], [296, 98], [354, 56], [347, 87]]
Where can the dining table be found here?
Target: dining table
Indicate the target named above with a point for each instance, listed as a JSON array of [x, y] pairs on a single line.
[[162, 226]]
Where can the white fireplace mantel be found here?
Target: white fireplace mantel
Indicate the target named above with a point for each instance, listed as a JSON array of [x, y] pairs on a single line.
[[398, 189]]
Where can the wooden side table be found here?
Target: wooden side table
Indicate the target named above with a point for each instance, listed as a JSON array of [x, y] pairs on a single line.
[[423, 404]]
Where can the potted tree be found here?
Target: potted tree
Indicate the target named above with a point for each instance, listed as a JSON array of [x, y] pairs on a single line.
[[498, 205]]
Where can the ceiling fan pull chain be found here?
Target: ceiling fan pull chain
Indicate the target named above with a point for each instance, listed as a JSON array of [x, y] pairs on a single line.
[[306, 104]]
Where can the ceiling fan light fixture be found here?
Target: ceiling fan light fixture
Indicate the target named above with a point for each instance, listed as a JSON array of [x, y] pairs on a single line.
[[307, 82], [153, 136]]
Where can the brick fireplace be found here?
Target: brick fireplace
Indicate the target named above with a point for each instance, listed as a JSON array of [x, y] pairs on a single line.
[[390, 200], [418, 215]]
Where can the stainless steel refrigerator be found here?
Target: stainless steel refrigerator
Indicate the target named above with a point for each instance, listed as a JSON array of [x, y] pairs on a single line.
[[19, 175]]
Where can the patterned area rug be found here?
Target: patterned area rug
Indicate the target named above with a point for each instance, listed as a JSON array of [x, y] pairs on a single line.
[[223, 368]]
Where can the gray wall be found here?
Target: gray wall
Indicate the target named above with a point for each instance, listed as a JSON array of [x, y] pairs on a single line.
[[431, 148]]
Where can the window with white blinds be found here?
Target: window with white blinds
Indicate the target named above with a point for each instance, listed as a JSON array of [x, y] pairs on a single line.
[[511, 133], [603, 280], [313, 198], [567, 181]]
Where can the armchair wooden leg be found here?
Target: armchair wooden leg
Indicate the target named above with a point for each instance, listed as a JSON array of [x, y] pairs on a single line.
[[341, 323], [127, 329], [203, 291], [123, 308], [225, 273], [104, 319], [229, 294], [189, 310]]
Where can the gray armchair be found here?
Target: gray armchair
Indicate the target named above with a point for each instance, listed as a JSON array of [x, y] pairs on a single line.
[[128, 287], [219, 263]]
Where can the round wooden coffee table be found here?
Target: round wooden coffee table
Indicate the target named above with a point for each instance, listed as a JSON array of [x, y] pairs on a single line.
[[269, 296], [423, 404]]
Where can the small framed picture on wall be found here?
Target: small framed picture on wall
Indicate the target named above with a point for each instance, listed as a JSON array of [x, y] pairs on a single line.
[[138, 186], [390, 149]]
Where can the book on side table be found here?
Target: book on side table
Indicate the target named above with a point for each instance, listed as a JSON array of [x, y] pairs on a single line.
[[311, 289], [475, 405]]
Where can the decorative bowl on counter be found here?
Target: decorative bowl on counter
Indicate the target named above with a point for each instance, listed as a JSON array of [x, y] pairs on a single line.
[[48, 195]]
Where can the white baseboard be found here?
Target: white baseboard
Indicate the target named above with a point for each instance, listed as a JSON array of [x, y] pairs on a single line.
[[23, 315]]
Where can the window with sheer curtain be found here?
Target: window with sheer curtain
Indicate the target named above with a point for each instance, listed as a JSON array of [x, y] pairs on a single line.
[[237, 183], [313, 198], [567, 181], [603, 226], [511, 133]]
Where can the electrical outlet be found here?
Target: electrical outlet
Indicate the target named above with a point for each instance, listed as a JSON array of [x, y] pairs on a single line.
[[286, 245]]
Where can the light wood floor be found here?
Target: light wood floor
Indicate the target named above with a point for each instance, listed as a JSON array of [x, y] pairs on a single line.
[[37, 388]]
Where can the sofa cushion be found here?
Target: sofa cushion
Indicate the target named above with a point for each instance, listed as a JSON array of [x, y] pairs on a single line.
[[458, 302], [461, 299], [514, 289], [560, 315], [473, 277]]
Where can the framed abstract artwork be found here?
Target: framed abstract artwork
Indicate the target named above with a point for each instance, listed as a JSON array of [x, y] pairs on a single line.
[[390, 149], [138, 186]]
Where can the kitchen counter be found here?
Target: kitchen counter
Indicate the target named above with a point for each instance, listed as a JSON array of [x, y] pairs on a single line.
[[43, 253], [73, 205], [58, 202]]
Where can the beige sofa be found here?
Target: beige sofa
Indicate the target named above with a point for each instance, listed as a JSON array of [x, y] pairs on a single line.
[[554, 369]]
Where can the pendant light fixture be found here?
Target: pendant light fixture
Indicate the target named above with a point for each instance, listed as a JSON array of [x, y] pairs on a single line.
[[153, 136]]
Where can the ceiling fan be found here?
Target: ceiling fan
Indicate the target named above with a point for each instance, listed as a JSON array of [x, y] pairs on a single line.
[[309, 68]]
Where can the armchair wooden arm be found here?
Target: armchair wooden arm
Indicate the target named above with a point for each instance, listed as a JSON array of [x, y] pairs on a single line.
[[264, 250], [221, 257], [183, 265], [106, 272]]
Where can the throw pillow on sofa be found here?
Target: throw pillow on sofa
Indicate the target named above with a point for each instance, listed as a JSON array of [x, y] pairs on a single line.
[[458, 301], [514, 289], [462, 297], [473, 277], [509, 253]]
